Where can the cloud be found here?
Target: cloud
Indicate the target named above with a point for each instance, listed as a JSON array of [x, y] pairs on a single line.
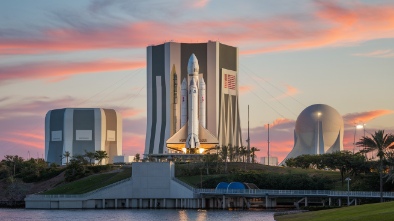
[[243, 89], [281, 138], [200, 3], [363, 117], [332, 24], [129, 112], [377, 54], [290, 91], [56, 70]]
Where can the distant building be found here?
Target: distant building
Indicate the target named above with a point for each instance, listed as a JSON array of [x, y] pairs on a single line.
[[273, 161], [123, 159], [167, 68], [77, 130], [318, 130]]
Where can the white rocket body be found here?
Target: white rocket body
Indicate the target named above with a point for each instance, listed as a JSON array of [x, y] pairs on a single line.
[[193, 113], [192, 140], [202, 103], [183, 103]]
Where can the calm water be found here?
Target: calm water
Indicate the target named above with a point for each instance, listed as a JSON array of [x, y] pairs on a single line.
[[107, 215]]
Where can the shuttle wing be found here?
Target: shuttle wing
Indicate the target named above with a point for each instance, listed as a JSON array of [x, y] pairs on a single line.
[[178, 140]]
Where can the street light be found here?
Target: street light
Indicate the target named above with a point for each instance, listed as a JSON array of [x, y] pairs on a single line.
[[348, 181], [357, 126]]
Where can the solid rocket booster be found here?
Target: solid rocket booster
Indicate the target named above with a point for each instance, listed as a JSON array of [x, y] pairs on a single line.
[[183, 103], [192, 140], [202, 101]]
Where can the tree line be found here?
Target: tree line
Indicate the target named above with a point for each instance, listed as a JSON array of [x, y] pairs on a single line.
[[378, 143]]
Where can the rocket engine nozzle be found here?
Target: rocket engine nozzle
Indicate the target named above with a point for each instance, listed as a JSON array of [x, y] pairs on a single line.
[[192, 141]]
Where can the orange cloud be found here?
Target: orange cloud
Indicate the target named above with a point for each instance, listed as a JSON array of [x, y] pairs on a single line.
[[363, 117], [243, 89], [126, 113], [290, 91], [61, 70]]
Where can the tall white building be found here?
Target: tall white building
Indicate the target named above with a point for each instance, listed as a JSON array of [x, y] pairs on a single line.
[[77, 130], [167, 68]]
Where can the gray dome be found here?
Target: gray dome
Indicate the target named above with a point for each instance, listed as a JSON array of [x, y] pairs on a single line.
[[318, 129], [331, 122]]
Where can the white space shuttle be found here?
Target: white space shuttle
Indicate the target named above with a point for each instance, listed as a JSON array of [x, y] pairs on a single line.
[[193, 137]]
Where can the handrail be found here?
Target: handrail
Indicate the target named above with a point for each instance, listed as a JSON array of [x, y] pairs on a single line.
[[294, 192]]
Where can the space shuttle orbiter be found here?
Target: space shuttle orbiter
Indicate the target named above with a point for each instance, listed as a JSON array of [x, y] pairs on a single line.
[[193, 137]]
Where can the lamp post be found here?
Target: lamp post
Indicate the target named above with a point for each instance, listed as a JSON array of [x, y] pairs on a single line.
[[318, 134], [348, 181]]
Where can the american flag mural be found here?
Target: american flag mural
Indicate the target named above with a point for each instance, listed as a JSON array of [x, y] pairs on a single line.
[[229, 81]]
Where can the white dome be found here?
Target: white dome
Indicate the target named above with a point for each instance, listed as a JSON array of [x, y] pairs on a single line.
[[319, 129]]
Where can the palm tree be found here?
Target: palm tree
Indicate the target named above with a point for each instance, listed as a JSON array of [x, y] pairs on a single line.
[[252, 150], [91, 156], [100, 155], [231, 152], [66, 155], [137, 157], [224, 154], [379, 142]]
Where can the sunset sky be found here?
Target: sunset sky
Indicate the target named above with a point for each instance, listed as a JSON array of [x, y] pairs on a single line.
[[292, 54]]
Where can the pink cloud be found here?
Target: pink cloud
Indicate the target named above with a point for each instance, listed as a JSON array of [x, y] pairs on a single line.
[[364, 117], [377, 54], [62, 70], [200, 3], [243, 89], [332, 24], [290, 91], [281, 123]]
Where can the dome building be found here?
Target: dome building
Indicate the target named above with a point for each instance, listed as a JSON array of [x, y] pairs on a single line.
[[318, 130]]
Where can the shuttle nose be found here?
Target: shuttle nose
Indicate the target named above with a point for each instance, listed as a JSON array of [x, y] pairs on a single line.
[[192, 66]]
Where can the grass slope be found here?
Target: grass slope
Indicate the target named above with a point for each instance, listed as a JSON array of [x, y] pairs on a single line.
[[91, 183], [368, 212], [233, 167]]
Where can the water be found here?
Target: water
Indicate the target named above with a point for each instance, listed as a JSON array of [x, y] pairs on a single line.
[[118, 215]]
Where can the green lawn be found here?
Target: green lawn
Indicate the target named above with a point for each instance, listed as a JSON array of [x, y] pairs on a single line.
[[91, 183], [368, 212]]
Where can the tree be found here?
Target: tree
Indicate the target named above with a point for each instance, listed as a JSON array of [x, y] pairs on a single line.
[[243, 152], [14, 162], [231, 153], [224, 155], [66, 155], [253, 150], [137, 157], [100, 155], [380, 142], [91, 156]]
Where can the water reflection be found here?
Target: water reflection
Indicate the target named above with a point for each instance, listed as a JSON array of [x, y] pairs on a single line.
[[135, 214]]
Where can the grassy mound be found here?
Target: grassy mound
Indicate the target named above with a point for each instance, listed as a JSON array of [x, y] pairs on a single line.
[[91, 183]]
